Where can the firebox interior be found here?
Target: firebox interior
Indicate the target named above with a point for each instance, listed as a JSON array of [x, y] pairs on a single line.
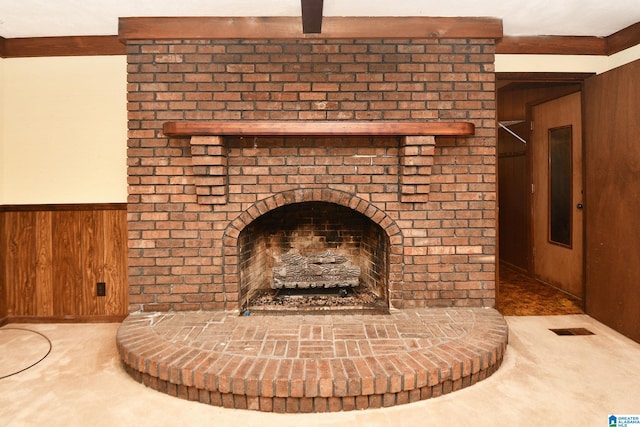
[[309, 248]]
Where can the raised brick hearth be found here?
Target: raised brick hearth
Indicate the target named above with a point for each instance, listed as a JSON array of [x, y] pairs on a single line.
[[313, 363], [376, 151]]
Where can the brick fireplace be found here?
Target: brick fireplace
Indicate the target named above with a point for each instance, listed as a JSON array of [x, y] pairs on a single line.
[[288, 161], [199, 196]]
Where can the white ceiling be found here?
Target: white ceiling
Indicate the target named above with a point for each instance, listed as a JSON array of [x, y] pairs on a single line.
[[43, 18]]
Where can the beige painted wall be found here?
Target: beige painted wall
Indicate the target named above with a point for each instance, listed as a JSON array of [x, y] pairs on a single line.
[[550, 63], [566, 63], [624, 57], [63, 130]]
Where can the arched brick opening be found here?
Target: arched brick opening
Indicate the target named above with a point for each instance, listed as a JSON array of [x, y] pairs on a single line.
[[309, 222]]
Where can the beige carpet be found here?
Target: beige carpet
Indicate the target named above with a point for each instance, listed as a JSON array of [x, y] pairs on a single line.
[[545, 379], [33, 348]]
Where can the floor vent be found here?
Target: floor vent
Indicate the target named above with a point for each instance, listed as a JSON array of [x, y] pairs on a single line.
[[572, 331]]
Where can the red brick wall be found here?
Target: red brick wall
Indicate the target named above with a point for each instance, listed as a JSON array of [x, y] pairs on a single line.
[[183, 250]]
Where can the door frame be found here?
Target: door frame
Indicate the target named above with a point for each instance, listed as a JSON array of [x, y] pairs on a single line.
[[570, 79]]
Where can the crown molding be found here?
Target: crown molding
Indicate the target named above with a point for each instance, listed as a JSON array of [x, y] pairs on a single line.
[[61, 46], [623, 39], [163, 28], [545, 77], [571, 45], [64, 207], [552, 45]]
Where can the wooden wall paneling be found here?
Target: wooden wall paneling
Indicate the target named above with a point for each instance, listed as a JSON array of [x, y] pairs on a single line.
[[514, 99], [20, 274], [513, 214], [91, 262], [116, 300], [52, 256], [9, 255], [27, 278], [513, 180], [3, 270], [612, 203], [67, 271], [44, 264]]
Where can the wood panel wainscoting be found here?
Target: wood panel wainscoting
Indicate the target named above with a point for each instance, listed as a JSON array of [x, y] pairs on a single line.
[[53, 256], [612, 156]]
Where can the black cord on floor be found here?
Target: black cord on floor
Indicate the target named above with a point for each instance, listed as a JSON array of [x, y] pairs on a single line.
[[33, 364]]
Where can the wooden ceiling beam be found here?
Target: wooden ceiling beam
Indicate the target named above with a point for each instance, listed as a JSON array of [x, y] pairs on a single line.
[[168, 28], [311, 16]]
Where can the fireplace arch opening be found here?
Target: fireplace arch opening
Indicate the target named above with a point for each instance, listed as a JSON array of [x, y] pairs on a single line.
[[313, 256]]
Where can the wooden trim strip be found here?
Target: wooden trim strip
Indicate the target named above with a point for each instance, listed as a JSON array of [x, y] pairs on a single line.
[[63, 46], [552, 45], [3, 43], [544, 77], [316, 128], [167, 28], [116, 318], [65, 207], [623, 39]]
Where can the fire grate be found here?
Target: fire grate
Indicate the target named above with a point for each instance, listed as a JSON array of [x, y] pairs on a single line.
[[572, 331], [321, 270]]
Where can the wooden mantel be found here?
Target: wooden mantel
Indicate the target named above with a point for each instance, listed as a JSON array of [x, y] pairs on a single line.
[[209, 151], [316, 128]]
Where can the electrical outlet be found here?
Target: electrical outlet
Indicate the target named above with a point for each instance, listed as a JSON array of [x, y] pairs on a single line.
[[101, 289]]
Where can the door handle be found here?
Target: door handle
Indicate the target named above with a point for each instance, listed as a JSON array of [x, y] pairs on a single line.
[[579, 206]]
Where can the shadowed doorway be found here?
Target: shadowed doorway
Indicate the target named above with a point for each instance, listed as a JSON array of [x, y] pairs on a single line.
[[521, 289]]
